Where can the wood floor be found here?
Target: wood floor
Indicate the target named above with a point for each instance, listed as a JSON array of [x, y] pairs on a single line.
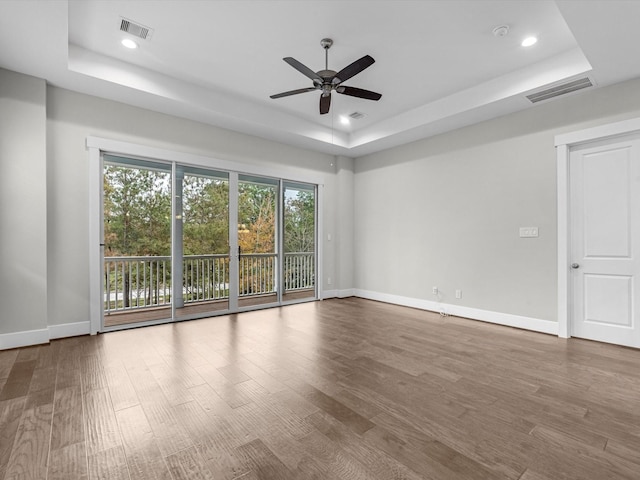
[[201, 308], [339, 389]]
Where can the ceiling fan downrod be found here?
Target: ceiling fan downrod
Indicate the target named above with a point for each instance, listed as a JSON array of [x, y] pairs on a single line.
[[326, 44]]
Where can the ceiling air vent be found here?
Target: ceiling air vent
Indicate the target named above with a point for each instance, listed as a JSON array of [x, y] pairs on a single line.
[[357, 115], [561, 89], [135, 29]]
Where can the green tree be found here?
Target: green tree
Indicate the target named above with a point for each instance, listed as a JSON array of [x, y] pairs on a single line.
[[137, 222], [205, 215], [256, 214], [299, 222]]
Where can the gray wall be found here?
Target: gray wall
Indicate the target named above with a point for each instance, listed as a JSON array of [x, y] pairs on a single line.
[[71, 117], [23, 214], [443, 211], [446, 211], [44, 193]]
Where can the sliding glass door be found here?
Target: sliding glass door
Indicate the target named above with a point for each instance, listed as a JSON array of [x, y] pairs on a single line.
[[202, 241], [137, 280], [257, 254], [183, 242], [299, 232]]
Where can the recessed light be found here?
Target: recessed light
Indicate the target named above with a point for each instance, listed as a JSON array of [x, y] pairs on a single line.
[[344, 120], [527, 42], [127, 42]]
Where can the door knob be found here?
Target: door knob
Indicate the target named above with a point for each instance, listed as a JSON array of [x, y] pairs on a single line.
[[575, 265]]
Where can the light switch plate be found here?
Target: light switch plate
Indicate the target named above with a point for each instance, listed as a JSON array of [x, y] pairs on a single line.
[[528, 232]]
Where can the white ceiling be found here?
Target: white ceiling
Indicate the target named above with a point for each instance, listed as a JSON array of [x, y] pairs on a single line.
[[438, 65]]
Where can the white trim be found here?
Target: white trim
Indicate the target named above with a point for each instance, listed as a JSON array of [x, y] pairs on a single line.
[[97, 146], [564, 144], [506, 319], [600, 132], [325, 294], [137, 150], [319, 241], [345, 293], [69, 330], [95, 240], [24, 339], [564, 287]]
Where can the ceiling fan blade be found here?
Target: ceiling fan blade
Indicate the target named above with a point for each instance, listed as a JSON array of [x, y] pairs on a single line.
[[359, 92], [293, 92], [353, 69], [325, 103], [303, 69]]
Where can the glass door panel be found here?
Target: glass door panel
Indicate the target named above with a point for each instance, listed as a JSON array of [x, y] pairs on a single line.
[[137, 241], [299, 240], [257, 252], [184, 242], [202, 222]]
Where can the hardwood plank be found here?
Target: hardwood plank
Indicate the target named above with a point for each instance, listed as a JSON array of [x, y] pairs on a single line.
[[381, 465], [626, 451], [210, 401], [338, 410], [334, 460], [262, 460], [427, 455], [123, 394], [222, 386], [67, 427], [218, 452], [19, 379], [101, 428], [28, 460], [141, 449], [7, 359], [233, 374], [169, 434], [110, 464], [92, 373], [195, 420], [10, 414], [343, 388], [68, 463], [188, 465]]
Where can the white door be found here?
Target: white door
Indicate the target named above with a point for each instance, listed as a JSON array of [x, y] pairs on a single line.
[[605, 243]]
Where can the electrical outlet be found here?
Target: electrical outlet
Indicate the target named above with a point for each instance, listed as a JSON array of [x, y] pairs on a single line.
[[434, 290], [528, 232], [328, 280], [458, 293]]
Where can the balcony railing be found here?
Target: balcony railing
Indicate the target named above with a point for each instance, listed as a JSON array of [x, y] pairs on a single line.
[[137, 282]]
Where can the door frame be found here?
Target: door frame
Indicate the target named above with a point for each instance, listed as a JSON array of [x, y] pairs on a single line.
[[564, 144], [96, 146]]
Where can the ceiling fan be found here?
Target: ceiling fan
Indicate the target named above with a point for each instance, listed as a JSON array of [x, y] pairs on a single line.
[[328, 80]]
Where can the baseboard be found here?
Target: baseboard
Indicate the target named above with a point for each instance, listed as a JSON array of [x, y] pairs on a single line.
[[506, 319], [23, 339], [69, 330], [349, 292]]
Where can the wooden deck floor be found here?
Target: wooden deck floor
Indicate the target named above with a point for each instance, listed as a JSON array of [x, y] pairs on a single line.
[[201, 308], [339, 389]]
